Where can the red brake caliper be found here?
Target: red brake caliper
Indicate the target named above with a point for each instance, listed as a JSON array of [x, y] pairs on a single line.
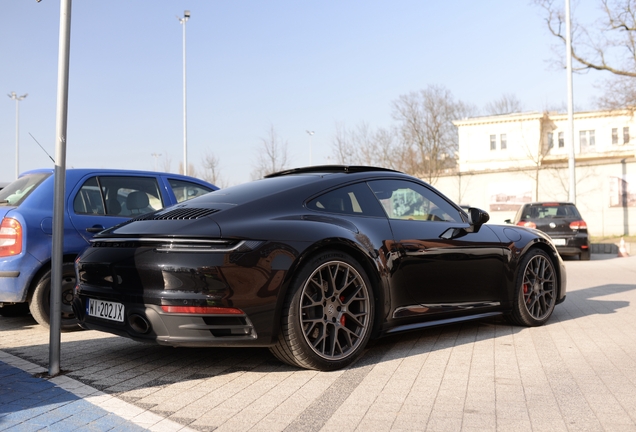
[[525, 291], [342, 318]]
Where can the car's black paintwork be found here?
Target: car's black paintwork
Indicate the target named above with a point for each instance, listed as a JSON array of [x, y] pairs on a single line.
[[422, 273]]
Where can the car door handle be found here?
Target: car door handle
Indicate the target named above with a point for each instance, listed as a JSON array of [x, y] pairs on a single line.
[[95, 229]]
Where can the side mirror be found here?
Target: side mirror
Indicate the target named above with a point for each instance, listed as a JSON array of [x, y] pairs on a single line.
[[477, 217]]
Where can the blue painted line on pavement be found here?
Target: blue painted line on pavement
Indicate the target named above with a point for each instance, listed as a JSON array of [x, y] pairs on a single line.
[[29, 404]]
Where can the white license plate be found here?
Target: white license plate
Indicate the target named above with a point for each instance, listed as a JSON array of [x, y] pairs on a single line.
[[105, 309], [559, 242]]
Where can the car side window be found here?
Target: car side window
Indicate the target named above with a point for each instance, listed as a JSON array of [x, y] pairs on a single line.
[[355, 199], [185, 190], [410, 201], [89, 199], [118, 196]]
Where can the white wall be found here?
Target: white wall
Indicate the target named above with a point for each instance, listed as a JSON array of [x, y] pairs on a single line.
[[594, 193]]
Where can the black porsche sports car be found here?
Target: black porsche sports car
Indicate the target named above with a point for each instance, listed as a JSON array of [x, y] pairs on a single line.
[[312, 263]]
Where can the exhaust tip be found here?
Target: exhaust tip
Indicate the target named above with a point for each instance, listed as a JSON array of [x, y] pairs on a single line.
[[139, 323]]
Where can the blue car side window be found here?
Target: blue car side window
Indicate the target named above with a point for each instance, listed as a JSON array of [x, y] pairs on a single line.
[[89, 199]]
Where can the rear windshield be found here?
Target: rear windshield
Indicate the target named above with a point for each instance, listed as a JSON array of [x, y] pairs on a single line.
[[550, 212], [256, 189], [16, 192]]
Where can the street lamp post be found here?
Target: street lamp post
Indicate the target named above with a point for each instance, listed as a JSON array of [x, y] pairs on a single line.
[[570, 128], [311, 138], [183, 21], [17, 100]]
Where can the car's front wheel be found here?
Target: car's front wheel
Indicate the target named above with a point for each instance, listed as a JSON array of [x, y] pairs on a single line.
[[328, 314], [536, 289], [40, 299]]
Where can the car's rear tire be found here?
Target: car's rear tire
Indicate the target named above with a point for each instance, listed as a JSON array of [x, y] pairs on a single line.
[[328, 314], [585, 255], [14, 310], [40, 302], [535, 290]]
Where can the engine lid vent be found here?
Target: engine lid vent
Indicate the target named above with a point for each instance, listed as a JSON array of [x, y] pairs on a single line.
[[183, 213]]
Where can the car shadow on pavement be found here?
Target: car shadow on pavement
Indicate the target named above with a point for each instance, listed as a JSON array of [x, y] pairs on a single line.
[[589, 301], [118, 365]]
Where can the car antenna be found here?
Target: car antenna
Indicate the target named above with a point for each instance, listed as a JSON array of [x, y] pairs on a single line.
[[42, 148]]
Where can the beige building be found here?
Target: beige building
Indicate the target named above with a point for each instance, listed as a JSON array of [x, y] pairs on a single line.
[[508, 160]]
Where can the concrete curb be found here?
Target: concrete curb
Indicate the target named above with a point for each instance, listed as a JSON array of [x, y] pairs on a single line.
[[611, 248]]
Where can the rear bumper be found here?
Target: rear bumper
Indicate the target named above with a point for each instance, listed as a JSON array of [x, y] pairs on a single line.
[[149, 323], [16, 274], [574, 245]]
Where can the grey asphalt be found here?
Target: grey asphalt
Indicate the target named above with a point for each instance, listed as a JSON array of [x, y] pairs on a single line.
[[577, 373]]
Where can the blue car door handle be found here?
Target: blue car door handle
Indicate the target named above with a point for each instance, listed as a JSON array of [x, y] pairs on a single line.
[[95, 229]]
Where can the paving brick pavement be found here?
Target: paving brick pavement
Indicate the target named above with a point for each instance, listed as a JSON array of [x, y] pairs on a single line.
[[577, 373]]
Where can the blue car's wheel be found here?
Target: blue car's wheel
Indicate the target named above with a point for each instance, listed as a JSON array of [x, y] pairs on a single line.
[[40, 302]]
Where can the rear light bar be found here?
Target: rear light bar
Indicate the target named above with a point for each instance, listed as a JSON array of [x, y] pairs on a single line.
[[10, 237], [207, 310], [576, 225], [527, 224]]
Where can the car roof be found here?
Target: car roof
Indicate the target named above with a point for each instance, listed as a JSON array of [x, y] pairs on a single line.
[[548, 203], [79, 172], [330, 169]]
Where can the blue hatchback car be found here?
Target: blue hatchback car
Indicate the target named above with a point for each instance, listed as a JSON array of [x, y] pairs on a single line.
[[95, 199]]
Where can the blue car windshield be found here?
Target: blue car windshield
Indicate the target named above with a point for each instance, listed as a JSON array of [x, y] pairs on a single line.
[[16, 192]]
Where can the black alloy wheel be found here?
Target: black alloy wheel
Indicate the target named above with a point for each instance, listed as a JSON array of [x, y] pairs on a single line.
[[328, 317], [536, 290]]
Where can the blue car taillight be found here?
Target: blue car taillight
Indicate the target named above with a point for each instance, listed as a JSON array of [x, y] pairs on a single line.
[[10, 237]]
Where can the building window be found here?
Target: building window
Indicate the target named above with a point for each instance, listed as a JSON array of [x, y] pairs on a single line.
[[586, 138], [550, 140], [504, 141], [626, 135], [614, 136], [493, 142], [561, 140]]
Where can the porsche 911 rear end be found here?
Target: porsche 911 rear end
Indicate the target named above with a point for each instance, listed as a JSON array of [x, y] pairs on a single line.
[[181, 292]]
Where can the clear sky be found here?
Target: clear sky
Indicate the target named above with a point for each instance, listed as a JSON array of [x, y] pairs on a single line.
[[251, 65]]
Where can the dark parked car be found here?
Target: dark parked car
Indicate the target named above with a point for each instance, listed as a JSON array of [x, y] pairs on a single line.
[[312, 263], [561, 221], [95, 199]]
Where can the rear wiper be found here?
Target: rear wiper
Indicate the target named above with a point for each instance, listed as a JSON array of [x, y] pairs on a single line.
[[4, 202]]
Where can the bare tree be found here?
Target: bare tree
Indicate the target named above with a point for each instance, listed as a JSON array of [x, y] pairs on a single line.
[[167, 162], [506, 104], [212, 171], [272, 156], [618, 92], [608, 44], [425, 126], [363, 146], [192, 171]]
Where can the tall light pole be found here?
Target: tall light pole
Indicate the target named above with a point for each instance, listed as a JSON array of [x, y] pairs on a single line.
[[17, 100], [311, 138], [570, 130], [183, 21], [59, 186]]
